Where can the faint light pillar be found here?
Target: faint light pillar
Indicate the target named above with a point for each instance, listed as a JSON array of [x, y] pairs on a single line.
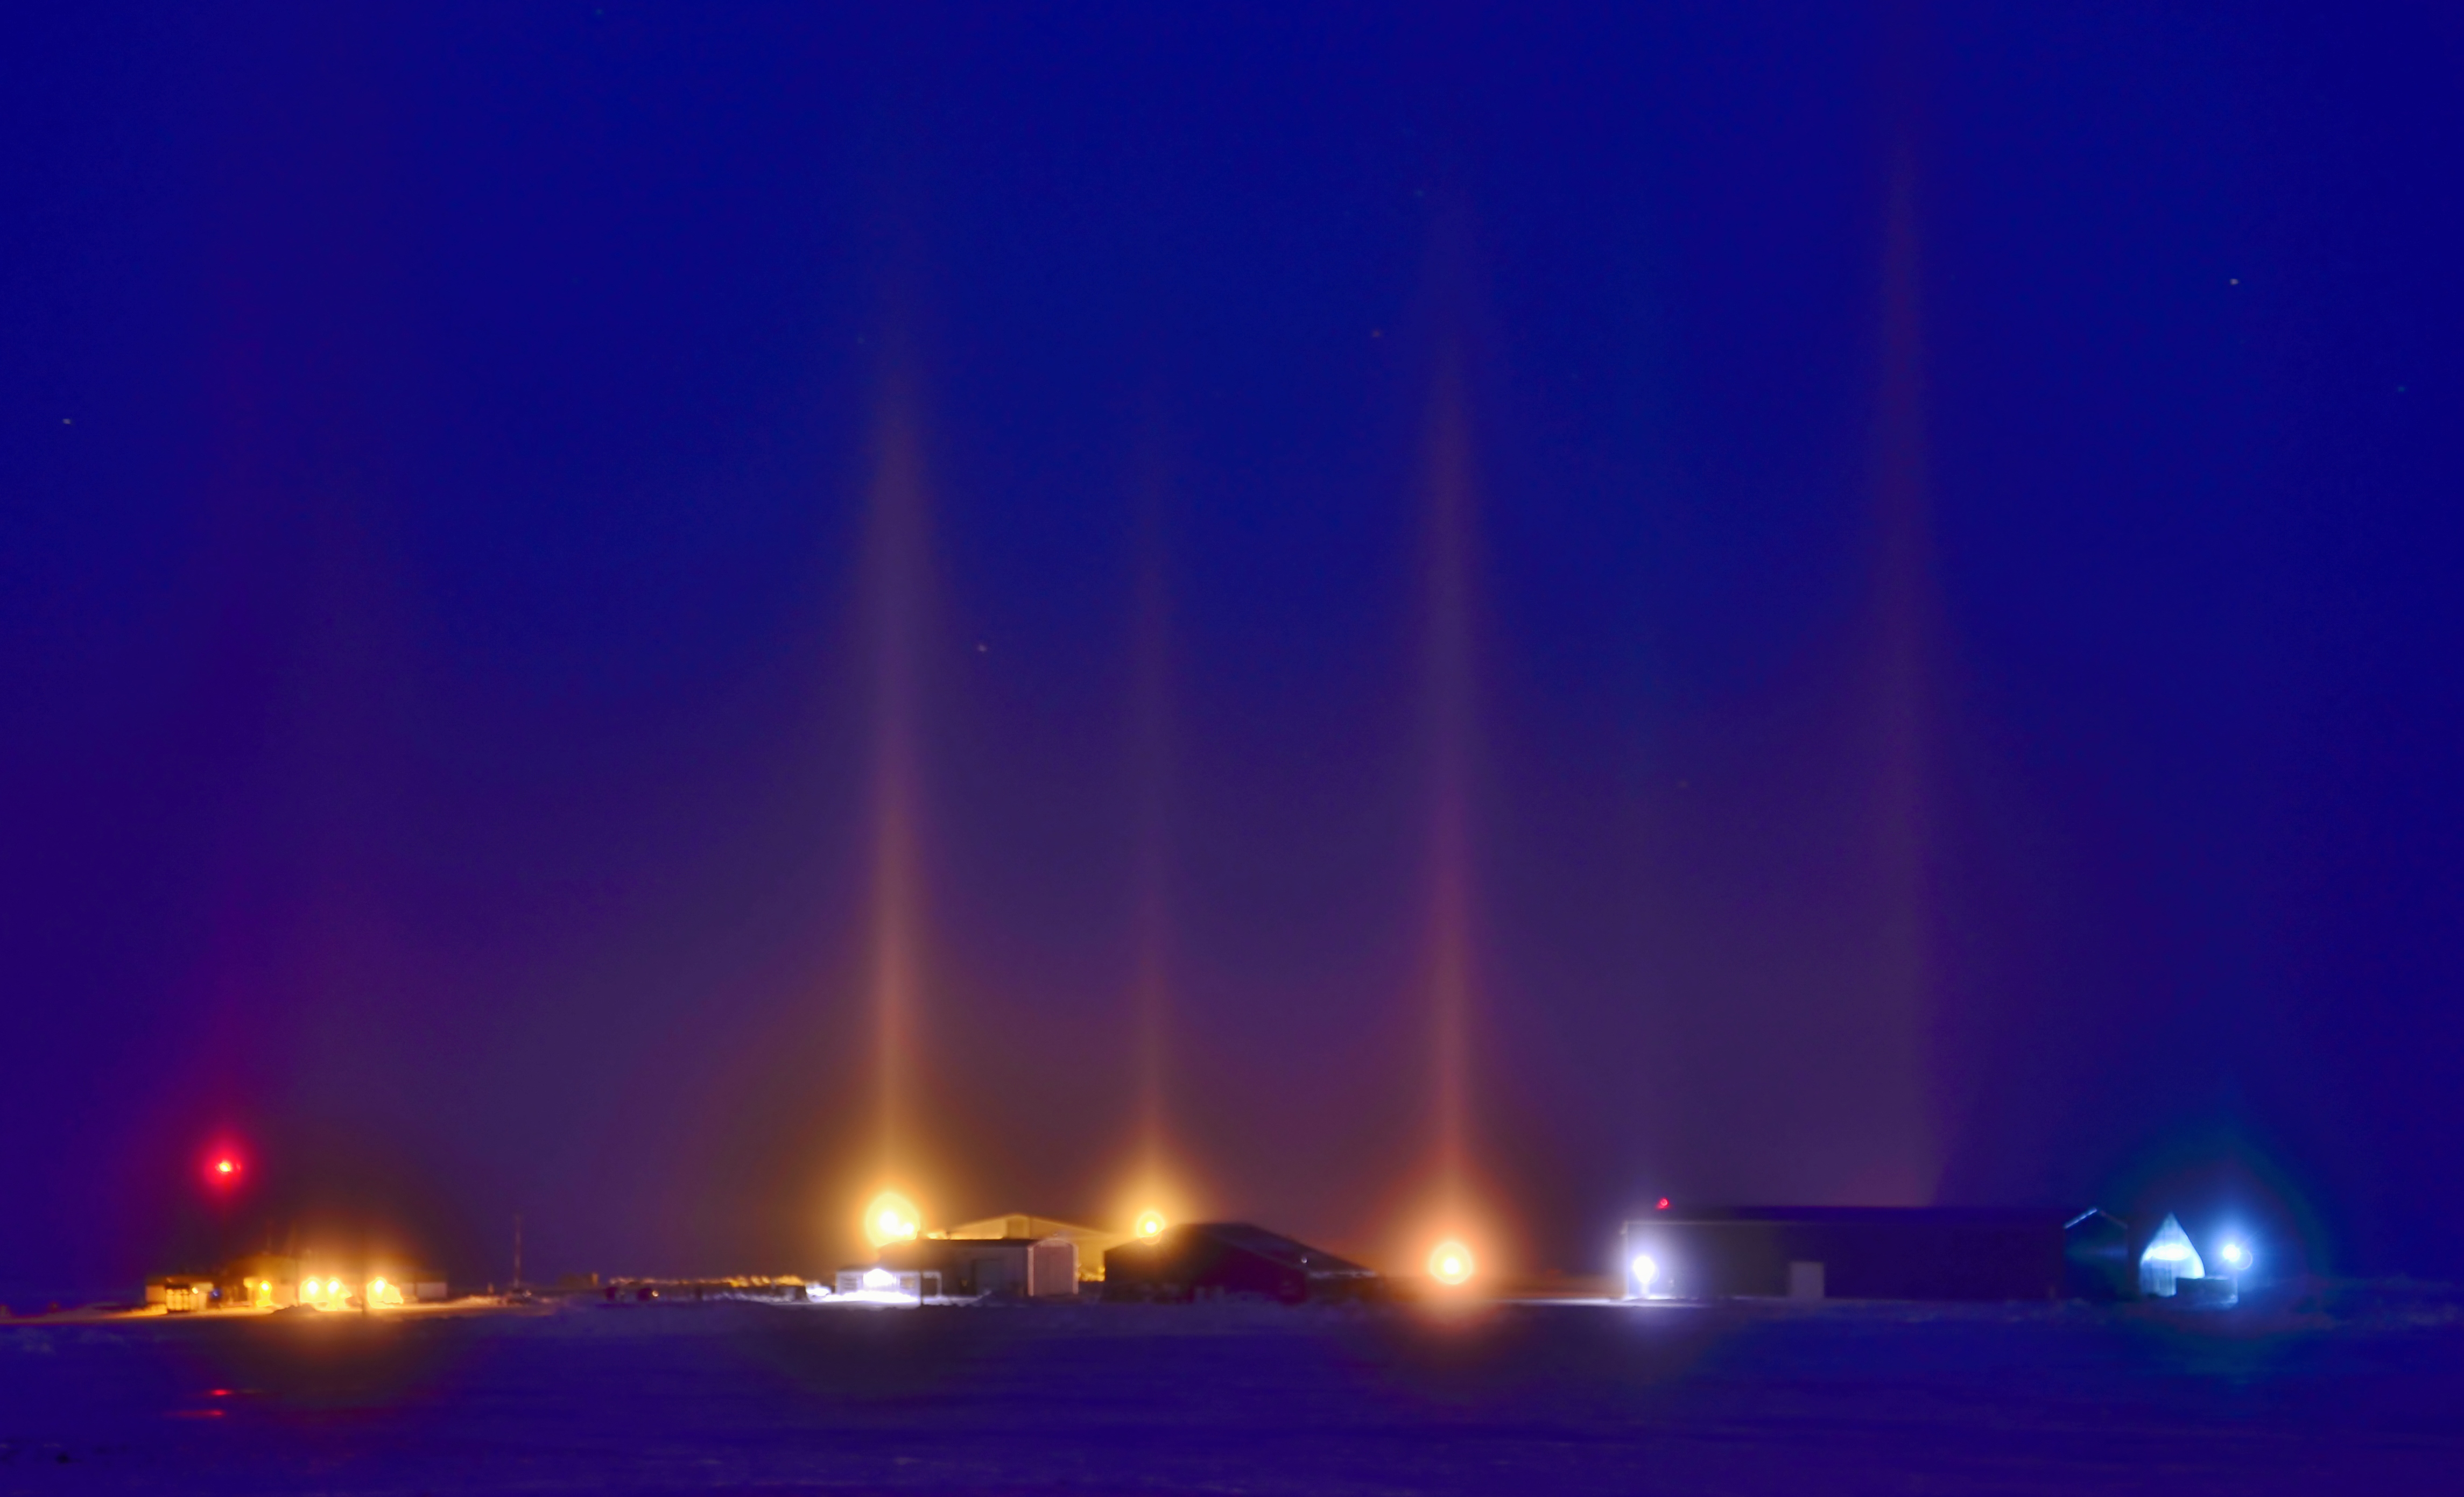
[[895, 583]]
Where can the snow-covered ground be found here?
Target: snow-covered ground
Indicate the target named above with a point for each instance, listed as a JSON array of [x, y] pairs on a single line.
[[2355, 1390]]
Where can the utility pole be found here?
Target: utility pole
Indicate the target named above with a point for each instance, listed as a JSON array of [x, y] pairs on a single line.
[[517, 1252]]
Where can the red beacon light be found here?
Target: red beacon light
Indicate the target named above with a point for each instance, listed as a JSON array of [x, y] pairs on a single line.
[[1663, 1204]]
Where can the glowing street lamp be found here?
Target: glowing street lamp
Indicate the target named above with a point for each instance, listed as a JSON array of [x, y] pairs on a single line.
[[1151, 1225], [890, 1217], [1450, 1264], [1643, 1270]]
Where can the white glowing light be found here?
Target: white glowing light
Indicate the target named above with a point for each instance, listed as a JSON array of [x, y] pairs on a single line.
[[1450, 1264], [2176, 1252], [2235, 1256], [880, 1279], [890, 1217], [1644, 1269], [1151, 1223]]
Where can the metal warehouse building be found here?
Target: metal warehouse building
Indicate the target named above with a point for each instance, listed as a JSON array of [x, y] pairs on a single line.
[[1873, 1252]]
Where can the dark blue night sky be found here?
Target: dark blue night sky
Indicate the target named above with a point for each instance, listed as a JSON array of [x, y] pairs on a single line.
[[1878, 583]]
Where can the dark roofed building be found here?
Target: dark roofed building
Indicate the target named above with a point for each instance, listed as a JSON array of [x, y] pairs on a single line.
[[1865, 1253], [2096, 1256], [1205, 1258]]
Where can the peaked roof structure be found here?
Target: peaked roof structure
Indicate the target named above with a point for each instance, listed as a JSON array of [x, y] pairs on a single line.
[[2169, 1255]]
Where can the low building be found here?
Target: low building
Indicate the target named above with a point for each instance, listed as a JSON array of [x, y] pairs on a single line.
[[337, 1282], [1872, 1252], [279, 1281], [1002, 1266], [1208, 1260], [181, 1294], [1090, 1244], [861, 1281], [262, 1281]]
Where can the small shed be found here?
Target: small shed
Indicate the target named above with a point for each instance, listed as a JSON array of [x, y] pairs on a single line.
[[2169, 1260]]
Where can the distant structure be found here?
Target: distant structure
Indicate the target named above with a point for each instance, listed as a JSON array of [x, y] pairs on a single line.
[[1873, 1252], [2096, 1256], [1021, 1267], [279, 1281], [763, 1288], [262, 1280], [180, 1294], [1090, 1243], [2171, 1267], [1210, 1260]]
